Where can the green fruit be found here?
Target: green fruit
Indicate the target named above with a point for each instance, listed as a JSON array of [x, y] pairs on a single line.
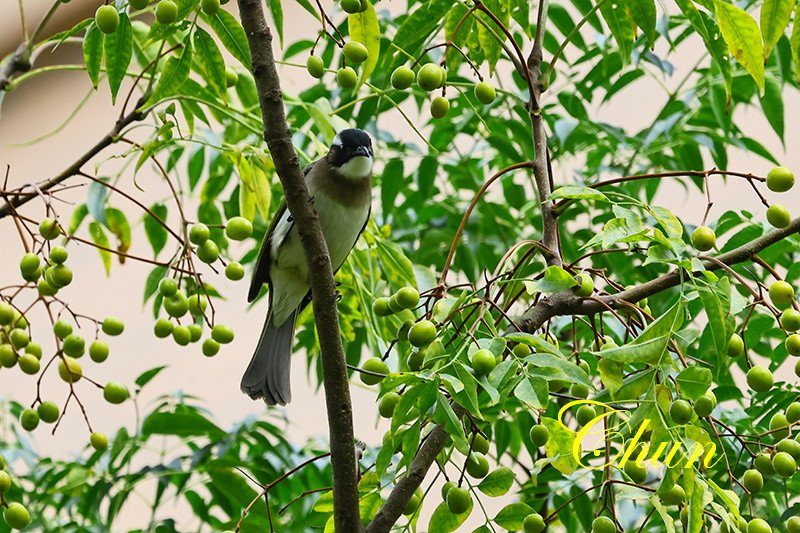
[[703, 238], [238, 229], [208, 252], [481, 444], [74, 345], [705, 404], [59, 276], [533, 523], [210, 347], [759, 379], [483, 362], [347, 78], [355, 52], [115, 393], [521, 350], [407, 297], [477, 465], [793, 412], [17, 516], [675, 495], [197, 304], [439, 107], [603, 524], [753, 481], [58, 255], [387, 404], [6, 314], [413, 503], [373, 364], [98, 441], [793, 524], [790, 446], [430, 77], [163, 328], [138, 4], [758, 525], [234, 271], [778, 215], [446, 488], [48, 412], [579, 390], [29, 419], [585, 414], [585, 285], [793, 344], [790, 320], [539, 435], [780, 179], [29, 364], [181, 335], [62, 329], [113, 326], [176, 305], [422, 333], [784, 464], [735, 345], [402, 78], [34, 349], [107, 19], [222, 334], [98, 351], [557, 385], [680, 411], [763, 463], [458, 500], [48, 227], [5, 482], [19, 338], [166, 12], [393, 305], [381, 307], [638, 474], [231, 76], [195, 332], [415, 360], [45, 289], [8, 357], [167, 287], [199, 233], [405, 327], [485, 93], [33, 276], [781, 293], [315, 66], [209, 7], [351, 6], [29, 264]]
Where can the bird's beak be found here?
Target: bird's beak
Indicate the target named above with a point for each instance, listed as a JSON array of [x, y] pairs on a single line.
[[362, 151]]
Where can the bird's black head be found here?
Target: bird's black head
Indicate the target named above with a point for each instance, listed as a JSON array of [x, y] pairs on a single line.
[[351, 153]]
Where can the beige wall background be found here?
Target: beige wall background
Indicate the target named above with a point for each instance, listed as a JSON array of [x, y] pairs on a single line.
[[45, 102]]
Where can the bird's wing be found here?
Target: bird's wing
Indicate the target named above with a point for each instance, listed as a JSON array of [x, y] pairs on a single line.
[[261, 271]]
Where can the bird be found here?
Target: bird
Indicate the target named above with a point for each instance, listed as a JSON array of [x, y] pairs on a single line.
[[340, 185]]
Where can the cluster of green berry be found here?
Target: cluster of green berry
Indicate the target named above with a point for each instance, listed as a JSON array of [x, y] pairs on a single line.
[[51, 274], [15, 514], [166, 12]]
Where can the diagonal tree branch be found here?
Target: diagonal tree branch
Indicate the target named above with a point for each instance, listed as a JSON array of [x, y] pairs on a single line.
[[566, 303], [287, 165]]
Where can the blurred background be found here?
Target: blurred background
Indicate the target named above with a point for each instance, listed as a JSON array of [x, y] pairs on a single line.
[[39, 138]]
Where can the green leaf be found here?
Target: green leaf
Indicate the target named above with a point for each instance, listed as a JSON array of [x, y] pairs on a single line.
[[445, 521], [643, 13], [77, 218], [794, 43], [533, 391], [618, 17], [364, 28], [156, 233], [276, 9], [418, 26], [147, 376], [100, 238], [174, 74], [555, 279], [577, 192], [498, 482], [207, 54], [96, 200], [231, 35], [694, 381], [512, 516], [610, 374], [118, 51], [93, 53], [488, 32], [571, 371], [743, 37], [775, 15], [772, 103], [117, 222], [559, 446], [716, 302], [152, 281], [187, 423]]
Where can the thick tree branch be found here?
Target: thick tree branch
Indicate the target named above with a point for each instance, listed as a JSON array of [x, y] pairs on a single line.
[[566, 303], [109, 139], [287, 165]]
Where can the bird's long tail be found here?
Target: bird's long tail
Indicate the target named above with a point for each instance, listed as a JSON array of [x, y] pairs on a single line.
[[267, 375]]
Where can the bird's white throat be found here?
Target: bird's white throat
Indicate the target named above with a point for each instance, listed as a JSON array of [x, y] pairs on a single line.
[[357, 168]]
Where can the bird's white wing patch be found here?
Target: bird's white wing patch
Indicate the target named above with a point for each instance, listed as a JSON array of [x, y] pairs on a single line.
[[279, 234]]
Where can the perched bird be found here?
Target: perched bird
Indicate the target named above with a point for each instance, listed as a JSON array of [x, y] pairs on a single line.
[[340, 185]]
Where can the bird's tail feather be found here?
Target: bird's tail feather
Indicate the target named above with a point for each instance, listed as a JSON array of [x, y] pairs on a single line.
[[267, 375]]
